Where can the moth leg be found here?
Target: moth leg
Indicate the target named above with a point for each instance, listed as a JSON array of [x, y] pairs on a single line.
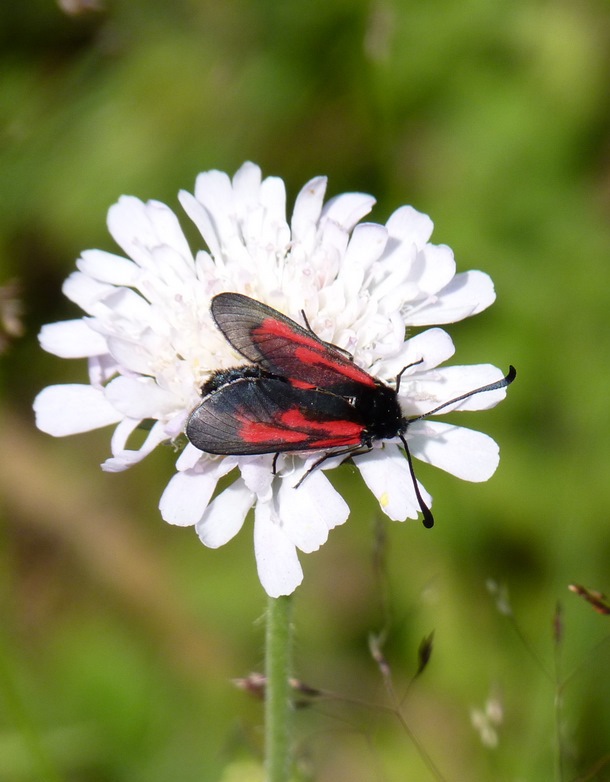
[[355, 450], [404, 369]]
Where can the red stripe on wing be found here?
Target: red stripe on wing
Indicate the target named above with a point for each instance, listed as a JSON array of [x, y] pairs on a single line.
[[293, 427], [255, 415], [309, 353], [279, 345]]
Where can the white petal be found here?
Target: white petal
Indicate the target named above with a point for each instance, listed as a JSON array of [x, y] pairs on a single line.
[[433, 346], [187, 495], [348, 208], [172, 271], [309, 512], [386, 473], [138, 228], [438, 268], [367, 243], [465, 453], [420, 353], [69, 409], [131, 355], [189, 458], [109, 268], [72, 339], [307, 208], [124, 458], [247, 185], [257, 473], [202, 219], [123, 302], [279, 569], [216, 219], [225, 516], [192, 458], [85, 291], [174, 421], [215, 187], [273, 198], [139, 397], [101, 369], [467, 294], [410, 226]]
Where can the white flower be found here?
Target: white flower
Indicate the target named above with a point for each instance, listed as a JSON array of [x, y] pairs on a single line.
[[151, 343], [487, 720]]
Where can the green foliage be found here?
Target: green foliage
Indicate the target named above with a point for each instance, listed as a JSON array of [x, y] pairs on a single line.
[[491, 117]]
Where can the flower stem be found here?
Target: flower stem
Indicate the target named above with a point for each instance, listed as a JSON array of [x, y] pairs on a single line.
[[278, 707]]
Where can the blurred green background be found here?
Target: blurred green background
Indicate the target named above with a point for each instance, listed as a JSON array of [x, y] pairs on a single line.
[[119, 636]]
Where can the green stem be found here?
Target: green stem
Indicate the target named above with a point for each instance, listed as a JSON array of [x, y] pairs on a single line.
[[278, 707]]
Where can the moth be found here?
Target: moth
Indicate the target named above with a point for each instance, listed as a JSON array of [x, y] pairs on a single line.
[[298, 393]]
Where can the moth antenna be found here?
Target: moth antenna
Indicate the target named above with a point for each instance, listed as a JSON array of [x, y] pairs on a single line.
[[345, 352], [306, 322], [506, 381], [428, 520]]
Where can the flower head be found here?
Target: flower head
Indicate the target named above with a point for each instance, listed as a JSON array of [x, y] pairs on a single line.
[[151, 344]]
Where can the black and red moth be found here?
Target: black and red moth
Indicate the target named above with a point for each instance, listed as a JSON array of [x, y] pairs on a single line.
[[298, 394]]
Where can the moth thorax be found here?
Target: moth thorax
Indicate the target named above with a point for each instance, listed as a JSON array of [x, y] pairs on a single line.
[[380, 407]]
